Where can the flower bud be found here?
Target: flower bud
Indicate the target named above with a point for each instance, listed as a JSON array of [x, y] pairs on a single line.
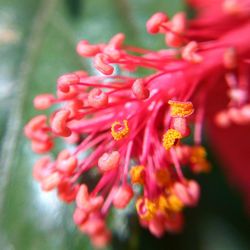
[[43, 101], [123, 196], [139, 89], [50, 182], [101, 63], [64, 81], [87, 50], [59, 123], [109, 161], [155, 21], [80, 216], [97, 98]]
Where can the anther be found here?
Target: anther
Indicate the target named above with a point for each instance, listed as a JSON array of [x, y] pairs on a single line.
[[87, 50], [59, 123], [43, 101], [155, 21], [139, 90], [123, 196], [189, 53], [137, 174], [109, 161], [64, 81], [97, 98], [180, 109], [170, 138], [119, 130], [101, 63]]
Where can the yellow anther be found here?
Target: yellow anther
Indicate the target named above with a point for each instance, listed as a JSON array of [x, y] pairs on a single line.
[[170, 137], [169, 203], [146, 208], [137, 174], [162, 203], [174, 203], [119, 130], [180, 109], [199, 161], [162, 177]]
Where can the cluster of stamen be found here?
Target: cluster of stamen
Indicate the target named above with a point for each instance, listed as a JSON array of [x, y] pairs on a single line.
[[129, 131]]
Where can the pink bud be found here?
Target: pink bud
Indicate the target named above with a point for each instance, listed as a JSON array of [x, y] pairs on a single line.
[[173, 40], [80, 216], [97, 98], [41, 147], [40, 169], [66, 80], [66, 163], [189, 53], [117, 41], [50, 182], [101, 63], [109, 161], [222, 119], [123, 196], [43, 101], [180, 124], [188, 193], [87, 50], [66, 191], [35, 124], [93, 226], [156, 227], [71, 94], [96, 203], [139, 89], [179, 22], [101, 240], [82, 197], [59, 123], [155, 21]]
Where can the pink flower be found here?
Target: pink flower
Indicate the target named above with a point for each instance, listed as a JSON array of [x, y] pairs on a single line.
[[131, 130]]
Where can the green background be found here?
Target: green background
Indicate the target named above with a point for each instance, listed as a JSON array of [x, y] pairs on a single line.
[[37, 44]]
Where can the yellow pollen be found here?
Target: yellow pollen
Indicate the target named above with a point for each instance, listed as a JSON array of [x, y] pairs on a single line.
[[137, 174], [174, 203], [170, 137], [199, 161], [170, 203], [180, 109], [119, 130], [162, 177], [146, 208], [162, 203]]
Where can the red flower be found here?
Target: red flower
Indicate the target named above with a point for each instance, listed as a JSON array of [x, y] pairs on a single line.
[[131, 130]]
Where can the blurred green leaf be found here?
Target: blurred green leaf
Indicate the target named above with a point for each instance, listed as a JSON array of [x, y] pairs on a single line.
[[37, 44]]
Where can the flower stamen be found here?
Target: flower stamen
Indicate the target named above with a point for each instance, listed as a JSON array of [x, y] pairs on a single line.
[[119, 130]]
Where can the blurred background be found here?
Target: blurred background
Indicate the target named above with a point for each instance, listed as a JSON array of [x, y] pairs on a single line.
[[37, 44]]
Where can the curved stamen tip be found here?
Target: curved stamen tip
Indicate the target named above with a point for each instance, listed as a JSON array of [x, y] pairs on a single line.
[[180, 109], [198, 160], [137, 174], [146, 208], [119, 130], [170, 138]]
